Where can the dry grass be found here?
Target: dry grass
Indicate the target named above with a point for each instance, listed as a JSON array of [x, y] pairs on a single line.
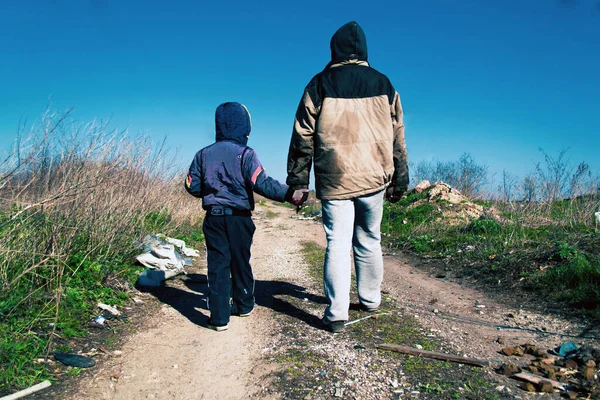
[[73, 198]]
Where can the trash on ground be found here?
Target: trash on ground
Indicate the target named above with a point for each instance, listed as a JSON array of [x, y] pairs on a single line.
[[99, 320], [565, 349], [574, 372], [75, 360], [110, 309], [162, 256]]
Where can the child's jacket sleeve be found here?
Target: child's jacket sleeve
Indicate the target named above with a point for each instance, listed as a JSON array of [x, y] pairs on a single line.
[[255, 175], [193, 181]]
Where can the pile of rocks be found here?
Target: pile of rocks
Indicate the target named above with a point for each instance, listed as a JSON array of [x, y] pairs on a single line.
[[454, 207], [574, 373]]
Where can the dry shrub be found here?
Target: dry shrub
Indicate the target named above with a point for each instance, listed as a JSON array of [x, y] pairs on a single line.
[[74, 196]]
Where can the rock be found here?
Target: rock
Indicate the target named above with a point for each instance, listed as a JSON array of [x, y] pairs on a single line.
[[422, 186], [500, 340], [546, 387], [509, 369], [509, 351], [590, 363], [588, 373], [527, 386], [570, 395], [519, 352], [571, 364]]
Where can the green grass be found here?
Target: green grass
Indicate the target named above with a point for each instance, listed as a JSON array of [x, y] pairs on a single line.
[[28, 313], [558, 257]]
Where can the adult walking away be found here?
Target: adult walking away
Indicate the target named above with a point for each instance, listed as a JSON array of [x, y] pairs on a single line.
[[225, 175], [350, 121]]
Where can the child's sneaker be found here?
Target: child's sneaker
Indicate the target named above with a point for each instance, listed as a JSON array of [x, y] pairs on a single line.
[[334, 326], [235, 310], [217, 328]]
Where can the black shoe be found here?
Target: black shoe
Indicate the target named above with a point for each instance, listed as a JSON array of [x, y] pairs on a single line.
[[334, 326], [217, 328], [369, 309], [235, 310]]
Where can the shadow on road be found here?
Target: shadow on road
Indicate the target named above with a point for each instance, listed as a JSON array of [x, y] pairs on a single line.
[[192, 303]]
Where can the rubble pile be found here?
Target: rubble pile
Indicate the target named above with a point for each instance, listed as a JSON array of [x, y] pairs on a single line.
[[570, 369], [455, 208]]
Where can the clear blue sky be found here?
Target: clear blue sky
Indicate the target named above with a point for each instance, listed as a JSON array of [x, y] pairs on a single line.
[[497, 79]]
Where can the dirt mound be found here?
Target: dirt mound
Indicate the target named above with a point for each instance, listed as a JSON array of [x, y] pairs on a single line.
[[454, 207]]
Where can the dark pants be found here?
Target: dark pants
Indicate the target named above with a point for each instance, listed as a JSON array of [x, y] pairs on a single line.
[[228, 241]]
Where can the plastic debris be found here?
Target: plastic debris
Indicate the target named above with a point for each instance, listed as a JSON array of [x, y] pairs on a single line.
[[565, 349], [110, 309], [161, 255], [100, 320], [75, 360]]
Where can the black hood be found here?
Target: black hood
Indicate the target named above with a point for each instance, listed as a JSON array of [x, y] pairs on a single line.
[[349, 43], [232, 121]]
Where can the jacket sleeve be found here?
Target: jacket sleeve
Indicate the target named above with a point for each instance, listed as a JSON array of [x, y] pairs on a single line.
[[193, 181], [257, 178], [302, 145], [400, 178]]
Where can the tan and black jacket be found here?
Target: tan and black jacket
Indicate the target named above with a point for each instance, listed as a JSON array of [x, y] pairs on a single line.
[[350, 121]]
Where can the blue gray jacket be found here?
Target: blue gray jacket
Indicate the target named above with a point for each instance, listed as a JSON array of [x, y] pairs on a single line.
[[227, 172]]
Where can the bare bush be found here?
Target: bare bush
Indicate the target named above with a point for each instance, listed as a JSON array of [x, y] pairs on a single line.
[[72, 193], [465, 174]]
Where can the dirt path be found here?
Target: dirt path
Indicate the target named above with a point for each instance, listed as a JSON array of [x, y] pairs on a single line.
[[176, 357]]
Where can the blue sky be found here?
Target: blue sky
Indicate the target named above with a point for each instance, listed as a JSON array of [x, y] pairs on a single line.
[[497, 79]]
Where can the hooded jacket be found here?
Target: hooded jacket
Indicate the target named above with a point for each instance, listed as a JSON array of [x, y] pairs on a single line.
[[227, 172], [349, 121]]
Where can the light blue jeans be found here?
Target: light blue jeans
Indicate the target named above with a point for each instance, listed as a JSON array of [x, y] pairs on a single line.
[[353, 224]]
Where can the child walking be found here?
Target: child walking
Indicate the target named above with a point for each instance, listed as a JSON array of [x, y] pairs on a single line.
[[225, 175]]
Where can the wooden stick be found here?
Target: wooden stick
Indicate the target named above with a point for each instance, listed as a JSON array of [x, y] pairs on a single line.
[[433, 354], [526, 376], [27, 392]]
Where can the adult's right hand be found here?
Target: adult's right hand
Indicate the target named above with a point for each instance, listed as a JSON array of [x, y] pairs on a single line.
[[393, 195]]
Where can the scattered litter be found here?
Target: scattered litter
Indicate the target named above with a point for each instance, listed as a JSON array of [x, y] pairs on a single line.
[[418, 346], [573, 372], [75, 360], [138, 301], [565, 349], [163, 260], [99, 320], [110, 309], [180, 244], [339, 392], [175, 366]]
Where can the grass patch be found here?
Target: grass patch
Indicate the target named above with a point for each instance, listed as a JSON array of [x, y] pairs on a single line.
[[271, 214], [557, 256]]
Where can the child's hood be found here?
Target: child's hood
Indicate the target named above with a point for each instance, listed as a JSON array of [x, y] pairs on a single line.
[[233, 122]]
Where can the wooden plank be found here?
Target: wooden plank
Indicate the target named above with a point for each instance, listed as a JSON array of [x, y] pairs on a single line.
[[526, 376], [433, 354]]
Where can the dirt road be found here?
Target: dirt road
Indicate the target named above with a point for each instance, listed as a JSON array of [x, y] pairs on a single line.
[[176, 357]]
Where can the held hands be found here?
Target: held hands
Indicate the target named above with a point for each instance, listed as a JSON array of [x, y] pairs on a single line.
[[296, 197], [393, 195]]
